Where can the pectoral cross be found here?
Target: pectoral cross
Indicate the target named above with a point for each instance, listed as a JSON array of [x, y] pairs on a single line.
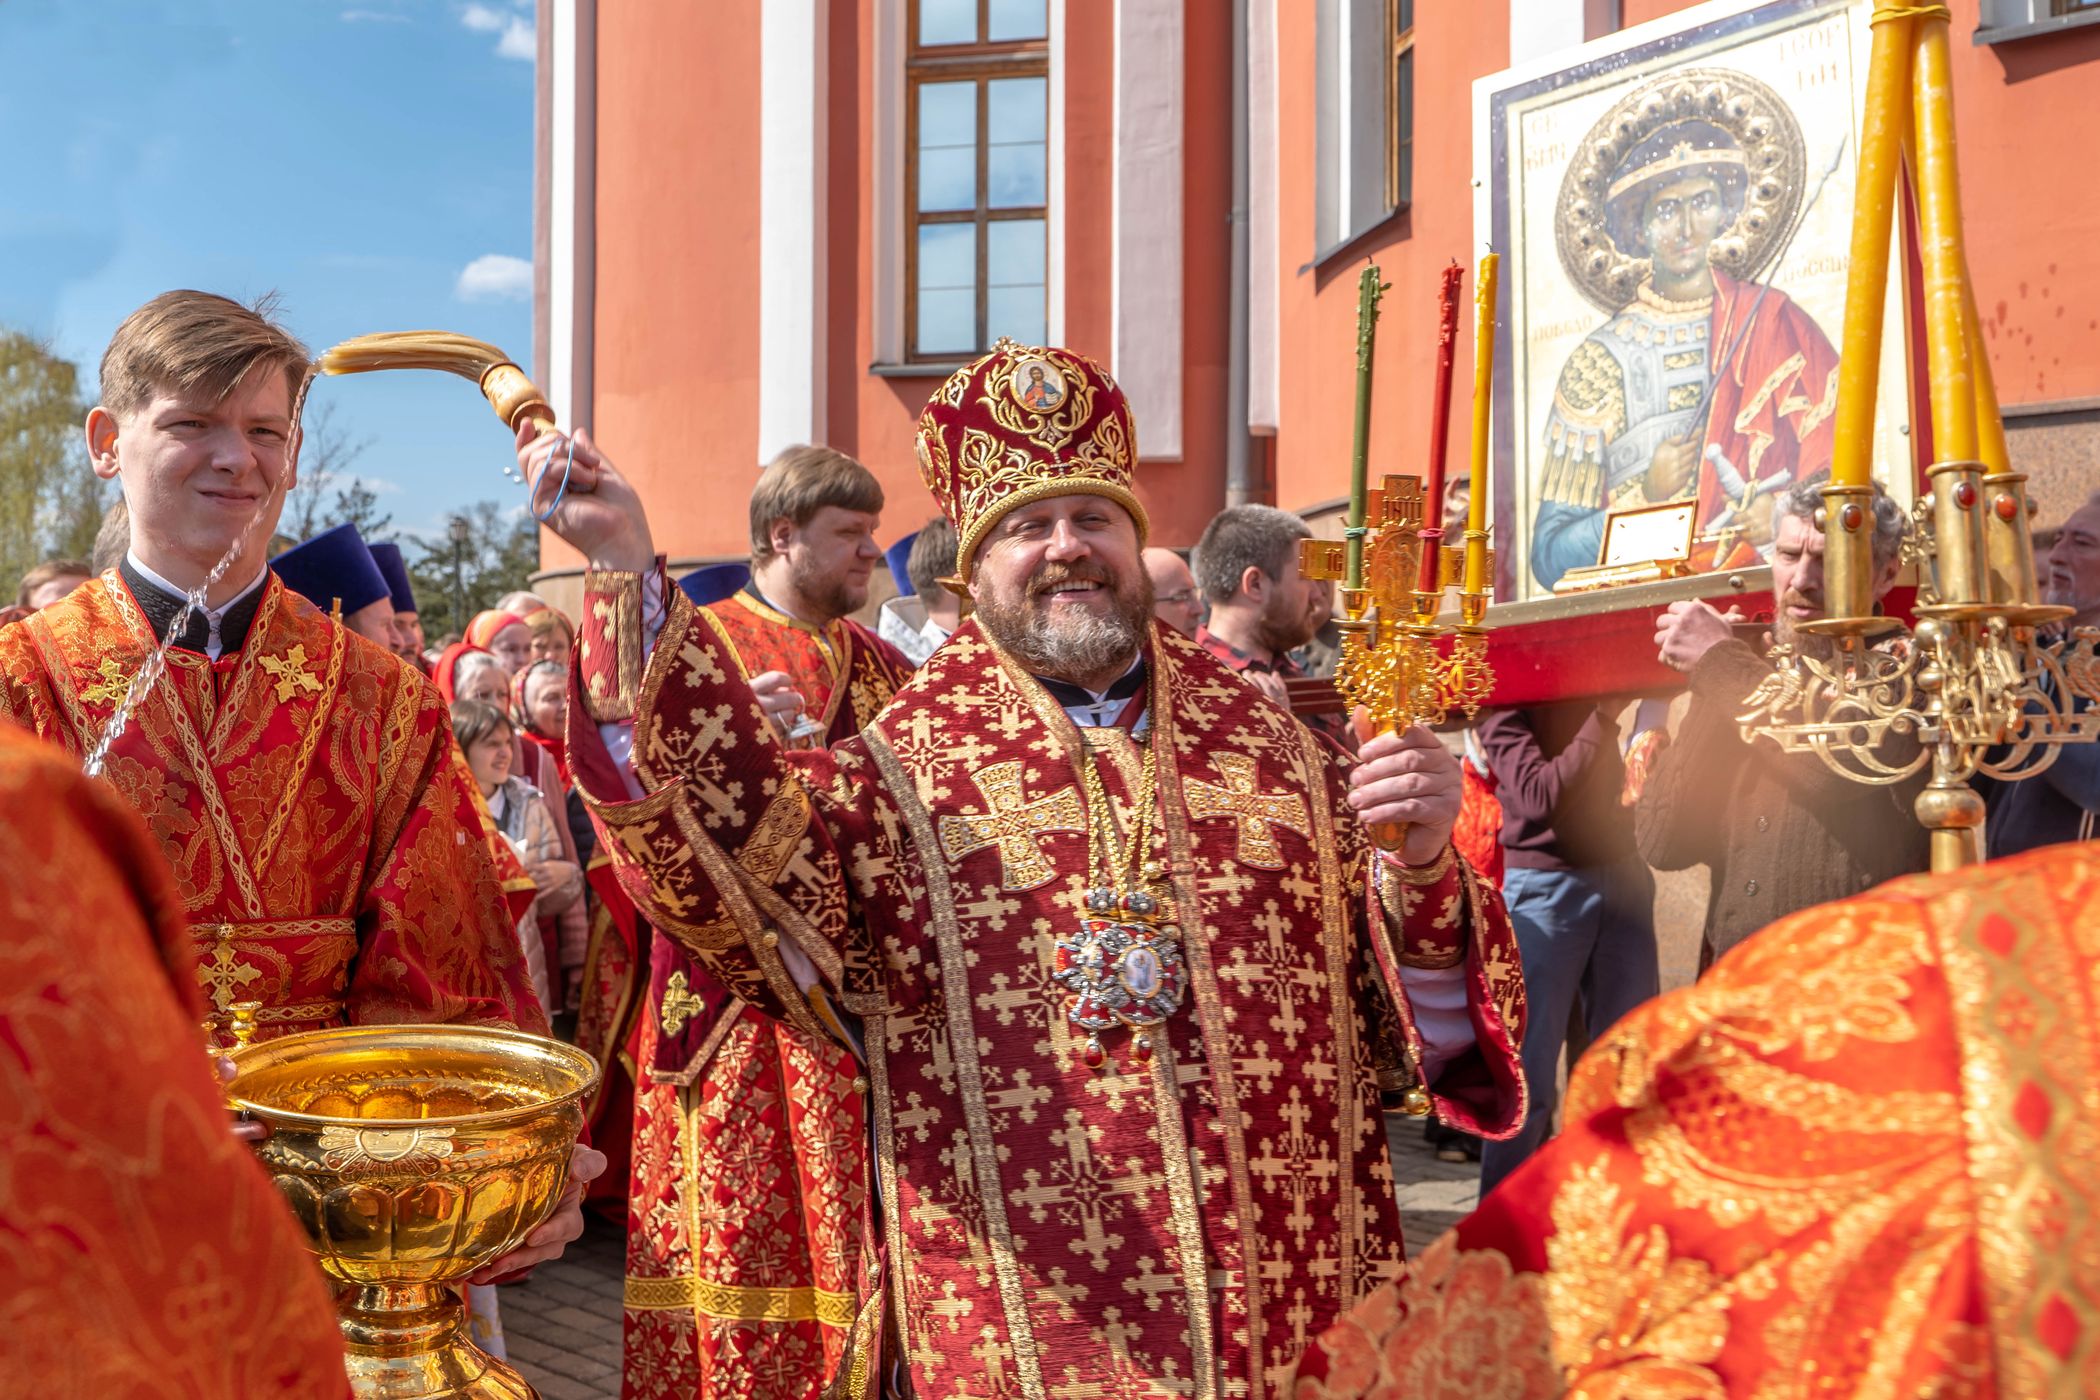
[[680, 1005], [223, 975], [1254, 811], [113, 686], [290, 673], [1013, 824]]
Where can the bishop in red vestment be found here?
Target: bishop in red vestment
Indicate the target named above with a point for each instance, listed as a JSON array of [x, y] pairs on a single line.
[[1126, 974]]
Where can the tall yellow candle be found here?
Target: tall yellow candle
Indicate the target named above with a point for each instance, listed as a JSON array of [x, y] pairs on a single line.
[[1483, 404], [1940, 247], [1866, 288], [1990, 423]]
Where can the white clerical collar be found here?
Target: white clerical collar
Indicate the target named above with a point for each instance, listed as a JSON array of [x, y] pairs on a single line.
[[1091, 709], [212, 616]]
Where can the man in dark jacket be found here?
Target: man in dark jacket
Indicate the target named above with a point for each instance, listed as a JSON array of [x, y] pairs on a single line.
[[1582, 902], [1778, 832], [2062, 802]]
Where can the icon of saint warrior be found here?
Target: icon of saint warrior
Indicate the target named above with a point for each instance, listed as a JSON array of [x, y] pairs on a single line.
[[1704, 382]]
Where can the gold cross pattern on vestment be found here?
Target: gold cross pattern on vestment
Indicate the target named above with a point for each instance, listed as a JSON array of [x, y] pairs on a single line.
[[680, 1005], [1256, 812], [1013, 824], [223, 975], [290, 673], [113, 686]]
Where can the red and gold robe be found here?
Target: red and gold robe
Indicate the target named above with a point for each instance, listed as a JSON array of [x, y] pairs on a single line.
[[1861, 1157], [143, 1253], [750, 1141], [1178, 1225], [304, 791]]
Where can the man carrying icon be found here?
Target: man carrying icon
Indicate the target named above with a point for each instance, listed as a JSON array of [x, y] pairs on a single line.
[[1101, 921]]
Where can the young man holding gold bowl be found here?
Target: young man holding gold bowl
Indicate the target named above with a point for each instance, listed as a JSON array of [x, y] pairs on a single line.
[[296, 777]]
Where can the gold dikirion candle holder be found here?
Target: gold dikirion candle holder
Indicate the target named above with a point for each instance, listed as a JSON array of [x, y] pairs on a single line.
[[1975, 680]]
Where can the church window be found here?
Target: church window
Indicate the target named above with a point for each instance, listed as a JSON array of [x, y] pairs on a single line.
[[977, 104]]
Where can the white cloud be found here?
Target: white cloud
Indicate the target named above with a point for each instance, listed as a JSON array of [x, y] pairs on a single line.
[[516, 36], [372, 17], [495, 277]]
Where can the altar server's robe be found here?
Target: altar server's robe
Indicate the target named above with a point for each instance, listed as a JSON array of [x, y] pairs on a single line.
[[143, 1253], [1860, 1158], [750, 1148], [1178, 1225], [303, 789]]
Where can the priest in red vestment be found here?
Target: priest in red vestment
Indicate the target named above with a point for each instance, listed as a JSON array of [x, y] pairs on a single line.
[[298, 779], [1860, 1158], [750, 1143], [1126, 975], [143, 1253]]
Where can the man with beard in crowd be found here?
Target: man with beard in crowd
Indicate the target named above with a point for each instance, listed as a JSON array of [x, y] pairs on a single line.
[[2062, 802], [1778, 832], [752, 1124], [1261, 607], [1126, 973]]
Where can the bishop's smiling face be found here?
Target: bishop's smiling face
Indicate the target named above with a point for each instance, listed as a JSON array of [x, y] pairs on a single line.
[[1059, 584]]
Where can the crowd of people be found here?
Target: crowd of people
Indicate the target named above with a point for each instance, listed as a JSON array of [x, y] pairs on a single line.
[[776, 869]]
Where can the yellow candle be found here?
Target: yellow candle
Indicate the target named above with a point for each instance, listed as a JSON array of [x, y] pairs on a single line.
[[1483, 404], [1866, 287], [1940, 248], [1990, 424]]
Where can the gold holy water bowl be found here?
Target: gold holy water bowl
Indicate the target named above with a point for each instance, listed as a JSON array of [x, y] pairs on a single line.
[[412, 1156]]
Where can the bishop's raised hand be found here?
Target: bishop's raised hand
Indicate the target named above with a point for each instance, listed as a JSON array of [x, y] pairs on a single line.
[[599, 512]]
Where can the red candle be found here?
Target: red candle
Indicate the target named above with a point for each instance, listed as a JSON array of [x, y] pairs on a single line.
[[1439, 430]]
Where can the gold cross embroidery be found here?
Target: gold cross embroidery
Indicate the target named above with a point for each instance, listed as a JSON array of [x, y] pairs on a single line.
[[113, 686], [290, 673], [1013, 824], [223, 975], [680, 1005], [1254, 811]]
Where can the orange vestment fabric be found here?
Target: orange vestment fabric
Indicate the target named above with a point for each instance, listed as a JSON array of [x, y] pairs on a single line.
[[304, 791], [1860, 1158], [750, 1143], [142, 1251]]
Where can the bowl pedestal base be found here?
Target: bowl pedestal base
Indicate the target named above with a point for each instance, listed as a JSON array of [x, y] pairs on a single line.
[[410, 1342]]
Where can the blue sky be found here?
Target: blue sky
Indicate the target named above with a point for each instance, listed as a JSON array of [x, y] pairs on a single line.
[[356, 157]]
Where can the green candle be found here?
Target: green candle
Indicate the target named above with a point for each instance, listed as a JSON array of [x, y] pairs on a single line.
[[1368, 290]]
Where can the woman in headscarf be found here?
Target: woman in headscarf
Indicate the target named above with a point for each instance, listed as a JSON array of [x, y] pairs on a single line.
[[506, 635], [539, 706]]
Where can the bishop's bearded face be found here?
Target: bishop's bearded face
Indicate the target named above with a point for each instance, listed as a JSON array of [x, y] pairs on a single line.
[[1059, 584]]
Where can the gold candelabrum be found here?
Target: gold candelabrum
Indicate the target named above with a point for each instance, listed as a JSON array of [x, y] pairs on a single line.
[[1393, 566], [1974, 682], [1393, 662]]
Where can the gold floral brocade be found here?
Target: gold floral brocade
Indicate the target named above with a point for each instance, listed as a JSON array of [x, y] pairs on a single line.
[[1860, 1158], [303, 791]]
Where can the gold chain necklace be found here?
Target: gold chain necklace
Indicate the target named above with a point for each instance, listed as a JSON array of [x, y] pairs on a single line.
[[1123, 966]]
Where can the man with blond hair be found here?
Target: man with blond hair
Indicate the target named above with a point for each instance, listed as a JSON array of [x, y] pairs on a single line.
[[298, 778]]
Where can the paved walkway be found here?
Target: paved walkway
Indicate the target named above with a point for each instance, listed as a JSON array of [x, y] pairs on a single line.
[[563, 1325]]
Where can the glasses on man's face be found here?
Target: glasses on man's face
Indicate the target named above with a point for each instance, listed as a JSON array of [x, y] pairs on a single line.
[[1185, 598]]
